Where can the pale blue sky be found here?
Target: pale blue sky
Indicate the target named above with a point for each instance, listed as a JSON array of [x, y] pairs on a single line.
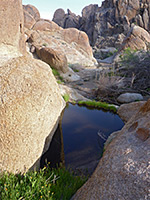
[[48, 7]]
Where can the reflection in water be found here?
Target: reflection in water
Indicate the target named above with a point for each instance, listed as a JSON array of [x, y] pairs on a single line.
[[55, 153], [84, 134]]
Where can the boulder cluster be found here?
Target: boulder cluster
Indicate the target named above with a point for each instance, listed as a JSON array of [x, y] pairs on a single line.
[[109, 24], [48, 40]]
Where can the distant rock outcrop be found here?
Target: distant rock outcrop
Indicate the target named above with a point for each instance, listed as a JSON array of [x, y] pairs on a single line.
[[123, 171], [69, 20], [30, 103], [107, 22]]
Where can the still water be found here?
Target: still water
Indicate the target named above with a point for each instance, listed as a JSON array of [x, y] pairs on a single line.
[[80, 137]]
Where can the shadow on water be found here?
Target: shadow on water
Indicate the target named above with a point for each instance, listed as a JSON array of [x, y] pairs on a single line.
[[79, 139]]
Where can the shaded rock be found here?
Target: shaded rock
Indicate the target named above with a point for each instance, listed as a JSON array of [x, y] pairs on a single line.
[[129, 97], [58, 17], [126, 111], [69, 20], [104, 53], [31, 16], [12, 39], [29, 110], [32, 10], [139, 21], [146, 19], [123, 171], [29, 21], [55, 59]]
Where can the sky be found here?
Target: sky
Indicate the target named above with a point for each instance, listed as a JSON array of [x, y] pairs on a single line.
[[48, 7]]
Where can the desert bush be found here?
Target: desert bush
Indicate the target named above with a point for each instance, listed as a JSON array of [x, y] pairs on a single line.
[[128, 56], [136, 65], [108, 80]]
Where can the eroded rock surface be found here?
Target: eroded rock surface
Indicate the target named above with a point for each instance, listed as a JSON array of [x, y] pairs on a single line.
[[29, 110]]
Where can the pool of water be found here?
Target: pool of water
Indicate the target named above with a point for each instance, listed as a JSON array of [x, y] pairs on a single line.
[[80, 137]]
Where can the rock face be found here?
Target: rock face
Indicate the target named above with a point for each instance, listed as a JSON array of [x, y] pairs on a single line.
[[31, 16], [11, 31], [30, 103], [123, 172], [109, 21]]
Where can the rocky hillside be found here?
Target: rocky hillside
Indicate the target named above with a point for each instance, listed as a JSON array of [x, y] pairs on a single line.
[[109, 24]]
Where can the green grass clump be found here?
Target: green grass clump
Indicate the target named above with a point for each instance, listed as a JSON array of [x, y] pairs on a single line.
[[75, 70], [59, 82], [50, 184], [98, 104], [66, 97], [57, 75], [55, 72]]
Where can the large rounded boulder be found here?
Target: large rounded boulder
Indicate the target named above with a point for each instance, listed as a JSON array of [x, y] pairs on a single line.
[[30, 106]]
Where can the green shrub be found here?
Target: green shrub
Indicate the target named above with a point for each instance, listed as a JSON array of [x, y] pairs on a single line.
[[66, 97], [55, 72], [57, 75], [128, 55], [50, 184], [75, 70], [98, 104], [59, 81]]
